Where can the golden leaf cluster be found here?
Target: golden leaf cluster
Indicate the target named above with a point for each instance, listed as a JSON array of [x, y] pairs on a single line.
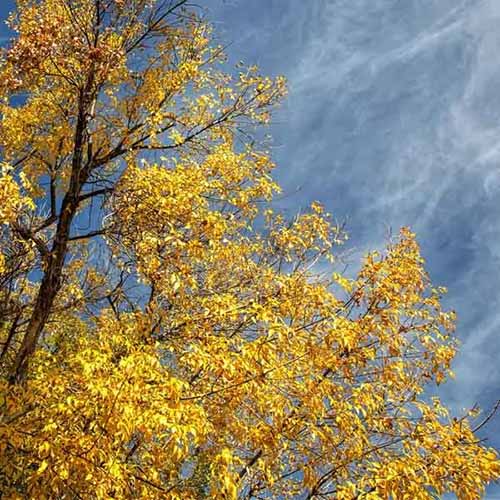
[[165, 331]]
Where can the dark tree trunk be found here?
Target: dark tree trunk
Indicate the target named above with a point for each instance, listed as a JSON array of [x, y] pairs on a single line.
[[52, 278]]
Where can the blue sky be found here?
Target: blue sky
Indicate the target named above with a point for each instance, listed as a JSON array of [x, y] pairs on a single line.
[[393, 119]]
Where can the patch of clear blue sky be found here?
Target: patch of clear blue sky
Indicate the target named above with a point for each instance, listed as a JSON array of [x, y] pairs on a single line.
[[6, 7], [393, 119]]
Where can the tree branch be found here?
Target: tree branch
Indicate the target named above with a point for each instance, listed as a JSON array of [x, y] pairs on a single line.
[[99, 232]]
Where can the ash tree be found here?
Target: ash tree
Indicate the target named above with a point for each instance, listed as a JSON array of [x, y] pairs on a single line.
[[163, 332]]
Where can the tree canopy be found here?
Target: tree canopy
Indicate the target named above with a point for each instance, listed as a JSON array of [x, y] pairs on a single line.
[[164, 331]]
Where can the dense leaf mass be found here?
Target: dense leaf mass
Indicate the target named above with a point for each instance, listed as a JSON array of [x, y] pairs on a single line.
[[164, 332]]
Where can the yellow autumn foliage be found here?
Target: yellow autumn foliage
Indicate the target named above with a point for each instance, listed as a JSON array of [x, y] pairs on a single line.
[[165, 332]]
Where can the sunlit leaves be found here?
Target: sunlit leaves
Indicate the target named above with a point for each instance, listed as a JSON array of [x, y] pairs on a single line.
[[208, 346]]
